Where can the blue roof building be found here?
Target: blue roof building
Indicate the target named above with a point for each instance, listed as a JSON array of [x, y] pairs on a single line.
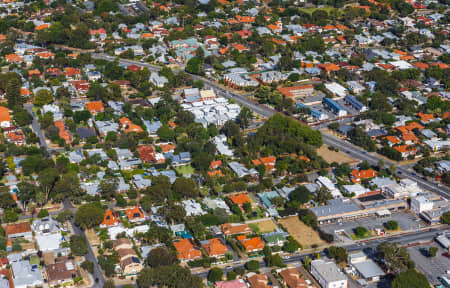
[[314, 113], [355, 103], [335, 107]]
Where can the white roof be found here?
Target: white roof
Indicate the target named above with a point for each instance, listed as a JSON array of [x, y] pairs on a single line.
[[48, 242]]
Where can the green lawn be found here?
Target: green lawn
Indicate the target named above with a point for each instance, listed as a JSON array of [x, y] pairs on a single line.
[[185, 170], [328, 9]]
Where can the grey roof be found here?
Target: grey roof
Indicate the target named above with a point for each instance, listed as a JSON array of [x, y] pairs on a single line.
[[45, 225], [335, 206], [328, 270], [368, 269], [381, 182], [85, 132], [26, 274]]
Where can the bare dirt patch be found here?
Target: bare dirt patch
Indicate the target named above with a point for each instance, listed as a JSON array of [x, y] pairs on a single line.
[[333, 156], [266, 226], [92, 237], [303, 234]]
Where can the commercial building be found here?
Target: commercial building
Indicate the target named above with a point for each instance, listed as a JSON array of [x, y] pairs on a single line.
[[328, 274], [355, 103], [365, 268], [316, 114]]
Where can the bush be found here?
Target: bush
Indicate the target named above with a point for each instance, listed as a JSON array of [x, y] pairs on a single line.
[[42, 213], [88, 266], [252, 265], [391, 225], [361, 231], [78, 245]]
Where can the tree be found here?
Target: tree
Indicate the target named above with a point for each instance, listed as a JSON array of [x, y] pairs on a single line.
[[173, 276], [88, 266], [109, 283], [26, 192], [244, 117], [396, 257], [361, 231], [185, 187], [108, 187], [42, 213], [88, 216], [391, 225], [47, 179], [338, 253], [10, 216], [432, 251], [215, 274], [410, 279], [13, 86], [161, 257], [43, 97], [78, 245], [252, 265], [445, 219], [195, 66], [300, 194]]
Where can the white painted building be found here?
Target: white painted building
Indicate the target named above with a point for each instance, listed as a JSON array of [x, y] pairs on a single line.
[[328, 274]]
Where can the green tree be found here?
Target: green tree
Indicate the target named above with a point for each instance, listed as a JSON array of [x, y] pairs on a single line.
[[42, 97], [432, 251], [410, 279], [391, 225], [10, 216], [338, 253], [88, 266], [361, 231], [109, 284], [42, 213], [161, 257], [88, 216], [195, 66], [78, 245], [173, 276], [396, 257], [445, 219], [215, 274], [47, 179], [252, 265], [12, 88], [300, 195]]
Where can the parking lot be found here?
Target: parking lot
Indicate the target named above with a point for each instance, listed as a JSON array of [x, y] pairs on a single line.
[[406, 221], [432, 267]]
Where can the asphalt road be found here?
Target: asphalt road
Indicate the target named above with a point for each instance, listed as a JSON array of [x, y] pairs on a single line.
[[368, 247], [35, 126]]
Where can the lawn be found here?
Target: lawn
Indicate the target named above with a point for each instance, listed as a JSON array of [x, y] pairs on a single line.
[[185, 170], [303, 234], [310, 10]]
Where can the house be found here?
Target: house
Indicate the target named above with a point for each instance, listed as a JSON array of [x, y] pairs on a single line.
[[63, 132], [157, 80], [406, 150], [135, 214], [437, 145], [235, 228], [241, 170], [85, 132], [240, 199], [141, 182], [104, 127], [295, 92], [95, 107], [443, 166], [258, 280], [131, 265], [122, 243], [26, 275], [19, 230], [193, 208], [237, 283], [61, 273], [268, 162], [110, 219], [275, 238], [214, 247], [253, 244], [328, 274], [16, 137], [46, 225], [216, 203], [291, 278], [187, 250], [5, 117], [357, 176]]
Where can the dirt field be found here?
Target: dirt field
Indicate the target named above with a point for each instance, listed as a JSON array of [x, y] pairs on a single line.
[[266, 226], [333, 156], [92, 237], [304, 235]]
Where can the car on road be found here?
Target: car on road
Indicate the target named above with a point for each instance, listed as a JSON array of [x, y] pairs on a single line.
[[399, 172], [413, 174], [364, 152], [446, 254]]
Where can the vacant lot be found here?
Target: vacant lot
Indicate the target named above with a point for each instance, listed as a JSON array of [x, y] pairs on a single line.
[[265, 226], [185, 170], [92, 237], [304, 235], [333, 156]]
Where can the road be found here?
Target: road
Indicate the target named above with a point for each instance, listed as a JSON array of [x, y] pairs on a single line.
[[368, 247], [354, 151], [35, 126], [90, 255]]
